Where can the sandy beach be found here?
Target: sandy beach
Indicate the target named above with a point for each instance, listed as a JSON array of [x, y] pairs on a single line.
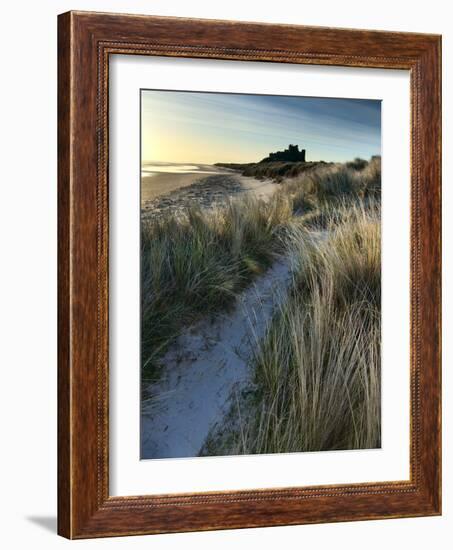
[[156, 185], [161, 179], [205, 185]]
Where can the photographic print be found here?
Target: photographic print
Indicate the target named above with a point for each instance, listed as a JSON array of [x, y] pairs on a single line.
[[260, 274], [228, 311]]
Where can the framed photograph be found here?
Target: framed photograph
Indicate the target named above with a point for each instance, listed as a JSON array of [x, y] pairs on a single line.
[[249, 275]]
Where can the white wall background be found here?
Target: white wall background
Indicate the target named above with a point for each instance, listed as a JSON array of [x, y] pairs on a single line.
[[28, 122]]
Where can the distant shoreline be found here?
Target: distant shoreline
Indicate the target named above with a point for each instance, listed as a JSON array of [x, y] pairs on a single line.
[[159, 179], [173, 186]]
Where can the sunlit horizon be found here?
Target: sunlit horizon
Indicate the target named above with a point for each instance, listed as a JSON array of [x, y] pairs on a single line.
[[207, 128]]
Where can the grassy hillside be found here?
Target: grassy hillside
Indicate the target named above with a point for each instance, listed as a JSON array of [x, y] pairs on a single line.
[[273, 170], [281, 170]]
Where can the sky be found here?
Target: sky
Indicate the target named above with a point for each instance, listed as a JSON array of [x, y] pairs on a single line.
[[205, 128]]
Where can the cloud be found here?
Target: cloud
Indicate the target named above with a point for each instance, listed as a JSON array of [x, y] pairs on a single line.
[[337, 129]]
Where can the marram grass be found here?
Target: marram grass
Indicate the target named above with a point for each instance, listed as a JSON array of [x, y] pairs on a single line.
[[196, 263], [317, 371]]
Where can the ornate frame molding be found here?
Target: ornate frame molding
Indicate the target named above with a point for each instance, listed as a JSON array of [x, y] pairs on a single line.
[[86, 40]]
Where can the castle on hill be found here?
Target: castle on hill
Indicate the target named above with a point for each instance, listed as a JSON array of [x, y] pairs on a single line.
[[292, 154]]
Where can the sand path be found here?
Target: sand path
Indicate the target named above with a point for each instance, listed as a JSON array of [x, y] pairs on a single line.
[[262, 189], [203, 368]]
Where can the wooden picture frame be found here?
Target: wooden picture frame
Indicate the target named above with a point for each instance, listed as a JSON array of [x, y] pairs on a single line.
[[85, 42]]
